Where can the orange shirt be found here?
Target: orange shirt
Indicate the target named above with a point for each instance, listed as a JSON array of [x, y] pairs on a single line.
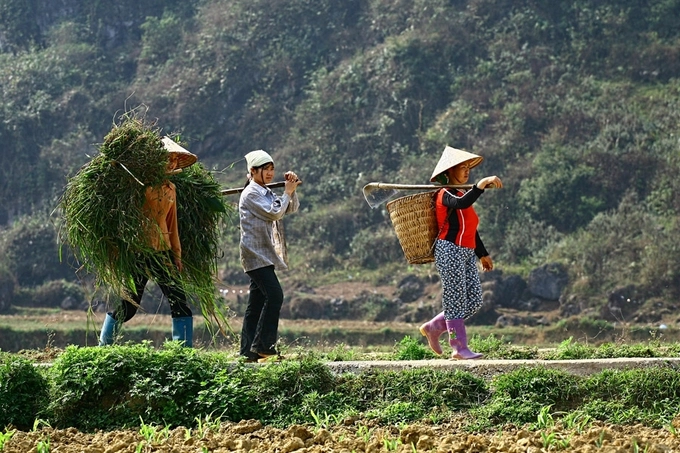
[[160, 206]]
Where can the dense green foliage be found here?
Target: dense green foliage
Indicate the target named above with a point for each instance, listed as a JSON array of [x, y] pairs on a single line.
[[102, 204], [201, 213], [121, 386], [574, 104], [31, 250], [23, 392], [103, 388], [105, 223], [50, 294]]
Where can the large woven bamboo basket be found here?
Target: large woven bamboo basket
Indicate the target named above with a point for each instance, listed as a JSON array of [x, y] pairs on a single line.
[[415, 224]]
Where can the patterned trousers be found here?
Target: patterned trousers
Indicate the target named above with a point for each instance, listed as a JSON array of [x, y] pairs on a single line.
[[462, 290]]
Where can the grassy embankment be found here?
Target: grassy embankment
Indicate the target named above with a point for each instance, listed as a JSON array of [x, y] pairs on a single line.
[[123, 386]]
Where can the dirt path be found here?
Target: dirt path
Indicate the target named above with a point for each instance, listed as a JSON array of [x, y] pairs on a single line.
[[489, 368]]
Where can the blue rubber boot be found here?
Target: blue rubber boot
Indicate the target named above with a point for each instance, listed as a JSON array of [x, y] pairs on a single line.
[[183, 330], [109, 330]]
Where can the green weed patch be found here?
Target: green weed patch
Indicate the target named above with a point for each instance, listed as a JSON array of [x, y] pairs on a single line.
[[112, 387], [23, 391], [117, 387], [650, 396]]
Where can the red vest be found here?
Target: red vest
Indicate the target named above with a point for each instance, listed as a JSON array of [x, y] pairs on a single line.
[[456, 225]]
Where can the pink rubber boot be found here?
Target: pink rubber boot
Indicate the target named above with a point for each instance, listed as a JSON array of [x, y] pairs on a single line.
[[432, 330], [458, 341]]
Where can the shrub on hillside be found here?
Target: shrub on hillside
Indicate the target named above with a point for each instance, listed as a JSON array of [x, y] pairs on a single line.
[[54, 294], [376, 247], [332, 226], [32, 252], [628, 244]]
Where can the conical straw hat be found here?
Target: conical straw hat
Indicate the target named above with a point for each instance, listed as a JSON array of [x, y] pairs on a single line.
[[452, 157], [184, 157]]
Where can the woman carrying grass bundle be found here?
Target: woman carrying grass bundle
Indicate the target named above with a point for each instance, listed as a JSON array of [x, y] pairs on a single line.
[[164, 265], [456, 246], [259, 209]]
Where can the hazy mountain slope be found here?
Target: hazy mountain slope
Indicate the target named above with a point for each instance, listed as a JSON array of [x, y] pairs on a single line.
[[574, 105]]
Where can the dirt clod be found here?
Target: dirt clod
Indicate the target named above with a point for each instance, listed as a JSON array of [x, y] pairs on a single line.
[[251, 437]]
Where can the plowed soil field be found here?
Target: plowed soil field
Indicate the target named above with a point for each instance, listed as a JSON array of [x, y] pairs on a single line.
[[353, 436]]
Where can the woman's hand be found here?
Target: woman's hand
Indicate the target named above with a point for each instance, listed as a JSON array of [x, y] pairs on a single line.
[[292, 181], [490, 181], [487, 263]]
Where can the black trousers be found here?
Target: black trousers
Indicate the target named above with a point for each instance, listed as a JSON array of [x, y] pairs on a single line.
[[157, 268], [261, 321]]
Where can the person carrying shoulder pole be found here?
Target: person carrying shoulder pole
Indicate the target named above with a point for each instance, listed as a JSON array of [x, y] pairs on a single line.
[[456, 247], [260, 210]]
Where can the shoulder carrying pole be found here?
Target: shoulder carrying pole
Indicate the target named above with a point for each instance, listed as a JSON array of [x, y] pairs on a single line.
[[376, 193], [236, 190]]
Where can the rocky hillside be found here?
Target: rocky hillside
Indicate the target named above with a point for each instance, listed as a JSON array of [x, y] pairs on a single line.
[[574, 105]]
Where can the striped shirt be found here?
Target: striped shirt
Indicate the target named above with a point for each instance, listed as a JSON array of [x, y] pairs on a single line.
[[258, 209], [457, 220]]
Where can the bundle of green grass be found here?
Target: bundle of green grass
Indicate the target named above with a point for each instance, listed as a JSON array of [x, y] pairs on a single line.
[[105, 225]]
